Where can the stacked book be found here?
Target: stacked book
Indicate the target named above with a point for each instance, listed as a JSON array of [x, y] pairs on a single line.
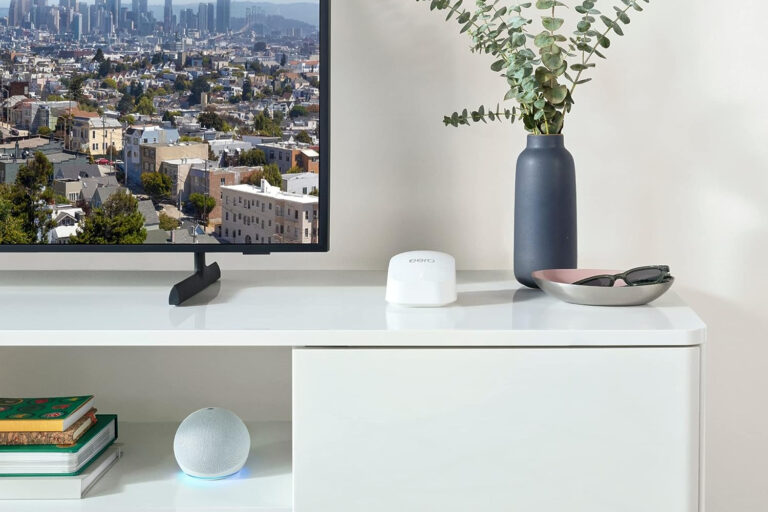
[[53, 448]]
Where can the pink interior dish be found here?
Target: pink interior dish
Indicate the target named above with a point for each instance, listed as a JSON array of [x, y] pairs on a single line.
[[571, 275]]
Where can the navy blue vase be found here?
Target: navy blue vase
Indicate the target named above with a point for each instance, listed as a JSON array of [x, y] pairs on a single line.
[[545, 208]]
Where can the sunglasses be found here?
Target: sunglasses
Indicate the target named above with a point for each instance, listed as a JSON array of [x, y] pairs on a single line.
[[634, 277]]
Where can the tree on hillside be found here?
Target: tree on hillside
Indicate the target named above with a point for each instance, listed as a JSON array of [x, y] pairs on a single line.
[[157, 185], [145, 106], [125, 105], [180, 84], [283, 61], [298, 111], [199, 86], [168, 223], [247, 90], [31, 195], [295, 170], [36, 174], [203, 205], [11, 226], [209, 119], [117, 222], [252, 158], [99, 57], [105, 68], [303, 137], [271, 173], [76, 87]]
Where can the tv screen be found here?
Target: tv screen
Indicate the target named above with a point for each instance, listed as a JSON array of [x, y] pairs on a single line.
[[199, 129]]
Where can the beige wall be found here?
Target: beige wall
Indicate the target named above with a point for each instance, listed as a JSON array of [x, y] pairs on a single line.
[[672, 162]]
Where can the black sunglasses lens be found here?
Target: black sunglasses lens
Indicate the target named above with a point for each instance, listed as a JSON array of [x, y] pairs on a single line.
[[644, 276], [597, 281]]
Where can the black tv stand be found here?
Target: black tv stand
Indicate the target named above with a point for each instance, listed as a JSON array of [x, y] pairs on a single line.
[[204, 276]]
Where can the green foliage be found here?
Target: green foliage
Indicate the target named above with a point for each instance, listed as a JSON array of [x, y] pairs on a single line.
[[202, 204], [168, 223], [189, 138], [270, 172], [145, 106], [535, 63], [99, 57], [180, 84], [76, 87], [265, 125], [105, 68], [43, 130], [303, 137], [298, 111], [55, 97], [128, 119], [283, 61], [247, 90], [30, 195], [126, 103], [11, 226], [117, 222], [109, 83], [295, 170], [213, 120], [157, 185], [199, 85], [252, 158], [171, 115], [36, 174]]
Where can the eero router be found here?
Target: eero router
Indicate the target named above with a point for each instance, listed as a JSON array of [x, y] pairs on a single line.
[[421, 279]]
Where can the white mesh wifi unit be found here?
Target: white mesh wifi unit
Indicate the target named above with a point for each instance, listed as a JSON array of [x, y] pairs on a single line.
[[421, 279], [212, 443]]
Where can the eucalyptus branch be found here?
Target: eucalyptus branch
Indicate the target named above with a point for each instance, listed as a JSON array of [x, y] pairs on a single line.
[[533, 72], [611, 26]]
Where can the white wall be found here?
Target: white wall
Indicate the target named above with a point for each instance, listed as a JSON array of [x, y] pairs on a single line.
[[672, 165]]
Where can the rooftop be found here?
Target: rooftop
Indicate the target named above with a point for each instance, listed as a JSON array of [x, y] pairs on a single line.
[[269, 191]]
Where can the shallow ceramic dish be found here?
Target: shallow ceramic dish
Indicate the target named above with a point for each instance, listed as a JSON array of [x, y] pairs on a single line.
[[558, 283]]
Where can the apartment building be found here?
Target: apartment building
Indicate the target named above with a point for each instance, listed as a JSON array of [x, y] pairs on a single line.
[[153, 155], [178, 170], [267, 215], [207, 180], [95, 134], [135, 136], [287, 155]]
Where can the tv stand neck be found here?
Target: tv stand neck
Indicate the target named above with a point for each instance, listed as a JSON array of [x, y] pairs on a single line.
[[204, 276]]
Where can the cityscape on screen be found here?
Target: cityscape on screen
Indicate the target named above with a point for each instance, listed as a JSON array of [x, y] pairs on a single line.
[[172, 123]]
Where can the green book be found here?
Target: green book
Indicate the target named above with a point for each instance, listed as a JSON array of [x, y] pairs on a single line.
[[63, 460], [52, 414]]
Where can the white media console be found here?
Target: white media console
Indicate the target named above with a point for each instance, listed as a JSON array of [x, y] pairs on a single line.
[[507, 400]]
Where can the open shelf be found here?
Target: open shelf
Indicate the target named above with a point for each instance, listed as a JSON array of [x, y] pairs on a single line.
[[147, 477]]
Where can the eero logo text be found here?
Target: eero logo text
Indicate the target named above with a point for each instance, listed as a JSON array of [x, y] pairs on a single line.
[[421, 260]]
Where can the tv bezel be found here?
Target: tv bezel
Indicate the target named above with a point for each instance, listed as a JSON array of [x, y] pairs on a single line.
[[324, 181]]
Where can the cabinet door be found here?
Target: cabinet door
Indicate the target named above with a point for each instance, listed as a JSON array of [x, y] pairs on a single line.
[[519, 430]]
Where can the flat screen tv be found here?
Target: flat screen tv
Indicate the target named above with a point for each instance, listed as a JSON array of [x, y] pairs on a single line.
[[218, 143]]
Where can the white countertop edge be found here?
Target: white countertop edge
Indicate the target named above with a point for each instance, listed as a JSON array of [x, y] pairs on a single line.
[[353, 338]]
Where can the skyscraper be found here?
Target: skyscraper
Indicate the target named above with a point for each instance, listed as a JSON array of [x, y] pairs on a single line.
[[113, 6], [77, 26], [222, 16], [168, 17], [202, 17], [211, 18], [85, 20]]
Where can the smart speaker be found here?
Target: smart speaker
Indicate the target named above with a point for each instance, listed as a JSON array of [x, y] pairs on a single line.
[[212, 443]]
